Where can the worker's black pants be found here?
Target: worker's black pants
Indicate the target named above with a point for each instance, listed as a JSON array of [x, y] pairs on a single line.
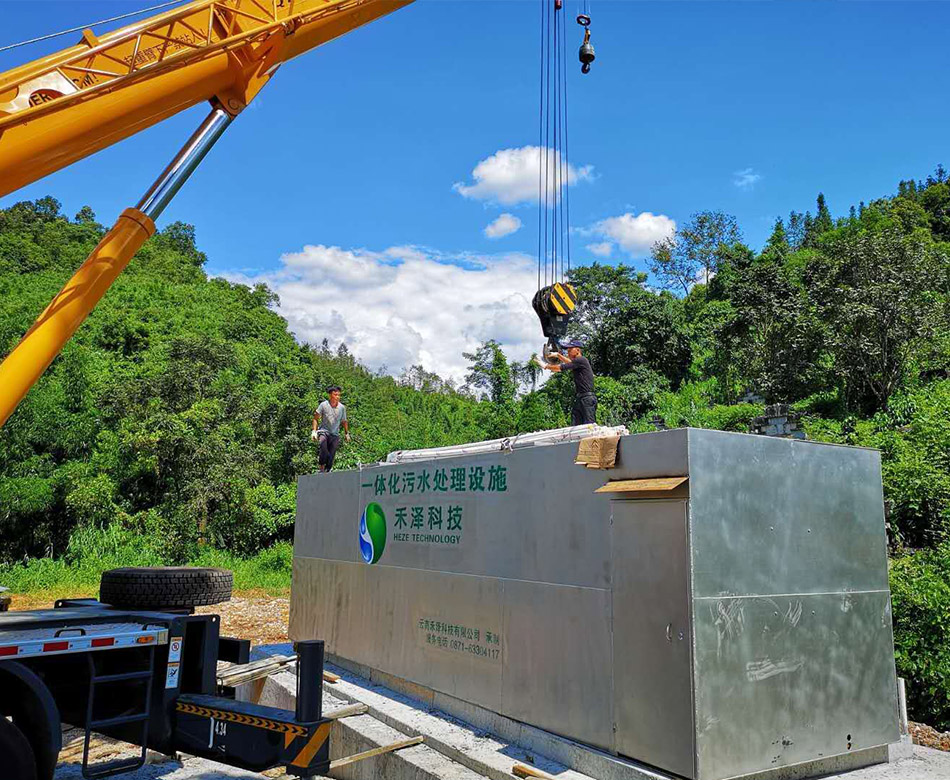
[[585, 409], [328, 447]]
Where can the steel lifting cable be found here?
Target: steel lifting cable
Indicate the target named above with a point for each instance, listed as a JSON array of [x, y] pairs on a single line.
[[541, 144], [546, 151], [543, 147], [567, 161], [90, 25], [554, 240], [555, 156], [556, 300]]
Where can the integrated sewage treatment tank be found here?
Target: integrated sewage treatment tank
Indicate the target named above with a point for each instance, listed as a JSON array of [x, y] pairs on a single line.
[[722, 611]]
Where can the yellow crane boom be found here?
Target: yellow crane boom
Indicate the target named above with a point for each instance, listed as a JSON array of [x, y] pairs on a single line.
[[70, 104]]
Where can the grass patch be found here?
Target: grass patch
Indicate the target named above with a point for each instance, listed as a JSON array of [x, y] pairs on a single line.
[[92, 551]]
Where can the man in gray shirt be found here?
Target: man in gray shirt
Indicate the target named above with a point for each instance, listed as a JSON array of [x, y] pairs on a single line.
[[328, 418]]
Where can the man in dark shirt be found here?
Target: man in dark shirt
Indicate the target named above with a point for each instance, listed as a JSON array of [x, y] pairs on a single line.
[[585, 402]]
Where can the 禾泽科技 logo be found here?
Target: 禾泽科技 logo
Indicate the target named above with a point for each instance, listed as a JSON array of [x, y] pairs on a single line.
[[372, 532]]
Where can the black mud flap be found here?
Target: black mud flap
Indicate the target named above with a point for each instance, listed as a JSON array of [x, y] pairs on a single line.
[[251, 736]]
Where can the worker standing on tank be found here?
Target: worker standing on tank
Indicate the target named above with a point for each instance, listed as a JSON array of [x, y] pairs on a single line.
[[328, 418], [585, 402]]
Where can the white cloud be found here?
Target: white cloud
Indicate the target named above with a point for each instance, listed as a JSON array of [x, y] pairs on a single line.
[[636, 233], [746, 179], [505, 225], [510, 176], [407, 305], [602, 249]]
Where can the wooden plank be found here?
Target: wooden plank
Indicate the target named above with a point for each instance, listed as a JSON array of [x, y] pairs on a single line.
[[241, 673], [235, 675], [342, 762], [654, 485], [346, 712], [522, 770]]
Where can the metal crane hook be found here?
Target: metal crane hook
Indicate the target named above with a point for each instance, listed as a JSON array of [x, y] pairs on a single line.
[[586, 53]]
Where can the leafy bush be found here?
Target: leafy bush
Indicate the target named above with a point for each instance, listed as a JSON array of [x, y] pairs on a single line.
[[920, 593]]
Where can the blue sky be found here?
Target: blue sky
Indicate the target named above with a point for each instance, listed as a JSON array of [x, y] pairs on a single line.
[[336, 187]]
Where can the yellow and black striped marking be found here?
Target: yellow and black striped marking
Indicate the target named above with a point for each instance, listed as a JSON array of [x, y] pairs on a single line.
[[309, 749], [563, 298], [291, 729]]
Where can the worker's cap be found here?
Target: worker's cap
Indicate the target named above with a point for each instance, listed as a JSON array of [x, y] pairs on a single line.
[[573, 343]]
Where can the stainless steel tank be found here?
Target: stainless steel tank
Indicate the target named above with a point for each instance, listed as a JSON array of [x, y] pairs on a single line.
[[734, 622]]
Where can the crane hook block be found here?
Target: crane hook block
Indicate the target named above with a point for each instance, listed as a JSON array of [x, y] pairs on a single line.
[[586, 53], [554, 306]]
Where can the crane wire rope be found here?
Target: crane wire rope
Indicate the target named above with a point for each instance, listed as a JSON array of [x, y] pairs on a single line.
[[555, 148], [10, 46], [567, 161], [540, 140], [554, 171], [542, 154], [546, 148]]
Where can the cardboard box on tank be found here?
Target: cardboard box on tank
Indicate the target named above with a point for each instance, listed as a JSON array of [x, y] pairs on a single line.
[[737, 623]]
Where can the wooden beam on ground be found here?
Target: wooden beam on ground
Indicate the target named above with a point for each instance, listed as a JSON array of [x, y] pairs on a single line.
[[405, 743], [347, 712], [522, 770], [343, 762]]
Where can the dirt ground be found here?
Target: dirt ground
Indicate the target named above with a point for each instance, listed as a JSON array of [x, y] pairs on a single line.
[[253, 615], [258, 617], [929, 737]]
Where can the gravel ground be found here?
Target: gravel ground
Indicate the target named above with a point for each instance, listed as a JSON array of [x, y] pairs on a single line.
[[253, 615], [929, 737], [260, 618]]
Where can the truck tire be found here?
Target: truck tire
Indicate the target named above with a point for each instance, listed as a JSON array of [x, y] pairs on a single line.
[[169, 587], [18, 761], [31, 708]]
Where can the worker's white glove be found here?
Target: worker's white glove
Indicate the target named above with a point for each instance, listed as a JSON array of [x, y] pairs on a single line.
[[347, 437], [314, 435]]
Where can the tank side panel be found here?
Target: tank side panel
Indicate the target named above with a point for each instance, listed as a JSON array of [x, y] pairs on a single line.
[[406, 622], [789, 679], [783, 516], [793, 643], [534, 652], [558, 665]]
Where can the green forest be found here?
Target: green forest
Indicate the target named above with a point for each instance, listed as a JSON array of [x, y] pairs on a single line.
[[172, 427]]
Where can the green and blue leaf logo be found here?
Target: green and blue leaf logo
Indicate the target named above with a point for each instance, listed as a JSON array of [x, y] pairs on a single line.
[[372, 533]]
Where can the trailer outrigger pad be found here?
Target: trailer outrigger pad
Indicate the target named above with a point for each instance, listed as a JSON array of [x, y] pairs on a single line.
[[252, 736]]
